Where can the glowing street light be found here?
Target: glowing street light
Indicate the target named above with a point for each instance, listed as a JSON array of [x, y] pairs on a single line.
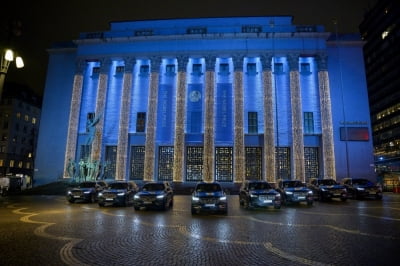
[[7, 56]]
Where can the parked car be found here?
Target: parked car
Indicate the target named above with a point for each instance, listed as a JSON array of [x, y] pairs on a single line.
[[118, 193], [154, 195], [327, 189], [294, 191], [86, 191], [257, 193], [359, 188], [209, 197]]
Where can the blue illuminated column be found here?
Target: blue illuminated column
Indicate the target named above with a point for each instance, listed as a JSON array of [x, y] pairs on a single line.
[[239, 164], [269, 119], [328, 152], [297, 118], [149, 157], [179, 144], [208, 152], [75, 108], [122, 150], [100, 108]]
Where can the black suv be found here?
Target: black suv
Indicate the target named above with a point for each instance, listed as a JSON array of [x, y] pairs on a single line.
[[209, 197], [118, 193], [257, 193], [327, 189], [156, 195], [86, 191], [359, 188], [294, 191]]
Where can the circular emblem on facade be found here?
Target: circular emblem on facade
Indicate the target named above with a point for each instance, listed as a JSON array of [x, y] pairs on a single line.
[[195, 96]]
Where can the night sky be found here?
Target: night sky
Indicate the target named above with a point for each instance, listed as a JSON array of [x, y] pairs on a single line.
[[45, 22]]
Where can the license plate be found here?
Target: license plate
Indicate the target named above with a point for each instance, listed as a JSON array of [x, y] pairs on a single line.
[[209, 205], [301, 197], [77, 197], [267, 201], [109, 199], [147, 202]]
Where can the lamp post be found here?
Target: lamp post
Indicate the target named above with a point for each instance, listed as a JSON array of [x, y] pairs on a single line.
[[7, 56]]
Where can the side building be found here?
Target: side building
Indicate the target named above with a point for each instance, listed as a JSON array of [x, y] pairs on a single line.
[[19, 125], [222, 99], [380, 30]]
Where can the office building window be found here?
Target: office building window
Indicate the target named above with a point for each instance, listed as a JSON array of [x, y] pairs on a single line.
[[252, 123], [141, 122], [308, 123]]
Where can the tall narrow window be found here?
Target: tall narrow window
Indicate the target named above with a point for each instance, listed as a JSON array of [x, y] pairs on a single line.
[[308, 123], [252, 123], [141, 122]]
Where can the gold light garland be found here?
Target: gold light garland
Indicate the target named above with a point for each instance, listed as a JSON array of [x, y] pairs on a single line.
[[149, 159], [122, 150], [179, 143], [327, 128], [73, 121]]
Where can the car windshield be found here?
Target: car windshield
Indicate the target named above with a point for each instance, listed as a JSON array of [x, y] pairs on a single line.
[[292, 184], [153, 187], [361, 182], [208, 188], [259, 185], [87, 184], [118, 185], [327, 182]]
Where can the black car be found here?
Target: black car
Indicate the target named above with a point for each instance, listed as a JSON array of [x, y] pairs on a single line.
[[86, 191], [294, 191], [257, 193], [118, 193], [327, 189], [154, 195], [209, 197], [359, 188]]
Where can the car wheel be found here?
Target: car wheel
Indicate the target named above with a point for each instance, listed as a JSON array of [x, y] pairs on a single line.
[[246, 204], [101, 204], [136, 208], [194, 211], [71, 201], [171, 203]]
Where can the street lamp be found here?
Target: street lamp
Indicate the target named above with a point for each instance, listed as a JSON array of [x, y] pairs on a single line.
[[7, 56]]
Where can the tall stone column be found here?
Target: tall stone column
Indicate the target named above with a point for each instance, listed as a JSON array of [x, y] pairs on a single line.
[[297, 119], [328, 152], [123, 140], [73, 123], [239, 150], [269, 120], [149, 157], [208, 153], [100, 108], [179, 145]]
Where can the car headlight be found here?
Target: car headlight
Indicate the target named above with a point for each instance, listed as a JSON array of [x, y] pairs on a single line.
[[310, 192], [253, 196], [360, 188], [195, 198], [136, 197], [69, 192], [223, 198], [86, 192], [323, 189], [100, 194], [288, 193], [121, 194], [278, 196], [160, 196]]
